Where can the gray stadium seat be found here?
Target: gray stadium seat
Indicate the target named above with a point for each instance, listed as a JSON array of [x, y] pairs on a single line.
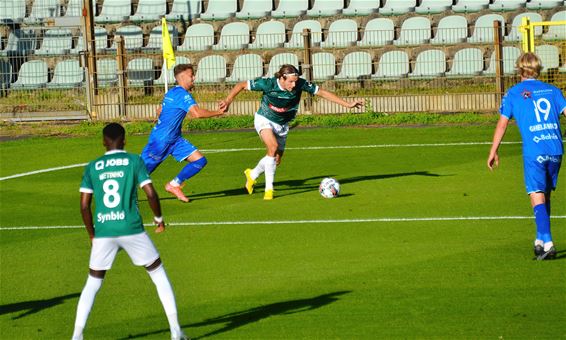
[[246, 66], [220, 10], [170, 75], [433, 6], [56, 41], [515, 34], [155, 41], [483, 28], [414, 31], [281, 59], [510, 55], [42, 9], [361, 7], [149, 10], [467, 62], [67, 74], [556, 32], [378, 32], [469, 6], [234, 36], [269, 34], [199, 37], [255, 9], [507, 5], [100, 41], [75, 8], [429, 63], [326, 8], [140, 70], [211, 69], [356, 65], [392, 64], [296, 40], [323, 66], [5, 74], [185, 10], [107, 72], [398, 7], [20, 42], [290, 8], [341, 33], [133, 37], [544, 4], [549, 56], [452, 29], [32, 75], [114, 11], [12, 11]]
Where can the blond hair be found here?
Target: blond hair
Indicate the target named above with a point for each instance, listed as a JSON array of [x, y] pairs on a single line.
[[528, 65]]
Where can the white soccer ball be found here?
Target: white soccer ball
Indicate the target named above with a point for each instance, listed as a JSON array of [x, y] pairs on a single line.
[[329, 188]]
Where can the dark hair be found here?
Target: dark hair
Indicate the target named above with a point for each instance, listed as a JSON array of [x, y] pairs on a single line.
[[114, 132], [287, 70], [182, 68]]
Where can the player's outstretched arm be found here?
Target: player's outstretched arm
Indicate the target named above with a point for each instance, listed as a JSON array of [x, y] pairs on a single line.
[[155, 206], [334, 98], [493, 158], [197, 112], [233, 93], [86, 213]]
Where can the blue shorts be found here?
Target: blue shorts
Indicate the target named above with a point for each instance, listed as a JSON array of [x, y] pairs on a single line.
[[156, 151], [541, 173]]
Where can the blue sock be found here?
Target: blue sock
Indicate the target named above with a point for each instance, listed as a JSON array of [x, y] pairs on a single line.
[[547, 205], [542, 220], [190, 170]]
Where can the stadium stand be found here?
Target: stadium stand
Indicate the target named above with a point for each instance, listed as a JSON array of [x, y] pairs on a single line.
[[483, 28], [246, 66], [12, 11], [114, 11], [140, 71], [290, 8], [356, 65], [56, 41], [296, 40], [107, 72], [185, 10], [220, 10], [67, 74], [507, 5], [33, 74], [323, 66], [361, 7], [510, 55], [341, 33], [255, 9], [414, 31], [452, 29], [470, 6], [234, 36], [281, 59], [549, 56], [74, 8], [466, 62], [20, 42], [211, 69], [544, 4], [198, 37], [326, 8], [149, 10], [514, 34], [42, 9], [5, 74], [100, 41], [378, 32], [556, 32], [429, 64], [433, 6], [392, 64], [398, 7], [133, 37], [269, 34], [170, 74], [154, 42]]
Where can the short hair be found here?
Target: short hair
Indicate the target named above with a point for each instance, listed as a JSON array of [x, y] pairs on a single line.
[[528, 65], [287, 70], [182, 68], [114, 132]]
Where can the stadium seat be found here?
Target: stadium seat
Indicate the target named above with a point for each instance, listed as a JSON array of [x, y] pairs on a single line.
[[32, 75], [361, 7], [280, 59], [341, 33], [515, 34], [544, 4], [452, 29], [510, 55], [42, 9], [100, 41], [296, 40], [170, 75], [56, 41], [5, 74], [398, 7], [155, 41], [323, 66], [199, 37], [483, 28], [246, 66], [549, 56], [149, 10], [433, 6], [12, 11], [470, 6], [269, 34], [429, 63], [185, 10], [356, 65], [107, 72], [414, 31], [75, 8], [378, 32], [133, 37], [507, 5], [392, 64], [255, 9], [290, 8], [211, 69], [467, 62], [114, 11], [326, 8], [140, 70], [556, 32], [67, 74], [220, 10], [20, 42], [234, 36]]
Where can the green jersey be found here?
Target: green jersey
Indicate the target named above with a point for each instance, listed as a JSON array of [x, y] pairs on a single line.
[[278, 105], [113, 179]]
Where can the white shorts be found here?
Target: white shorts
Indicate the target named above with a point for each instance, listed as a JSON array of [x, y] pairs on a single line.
[[280, 131], [139, 247]]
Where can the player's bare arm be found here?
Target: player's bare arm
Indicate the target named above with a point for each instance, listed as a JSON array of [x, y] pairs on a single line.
[[493, 158], [155, 206], [86, 213], [334, 98], [197, 112], [233, 93]]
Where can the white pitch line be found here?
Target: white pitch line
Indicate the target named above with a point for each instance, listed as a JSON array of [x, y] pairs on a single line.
[[374, 146], [359, 220]]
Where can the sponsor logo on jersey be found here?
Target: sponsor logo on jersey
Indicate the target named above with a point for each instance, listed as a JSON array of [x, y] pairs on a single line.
[[526, 94], [278, 109], [111, 216], [111, 162]]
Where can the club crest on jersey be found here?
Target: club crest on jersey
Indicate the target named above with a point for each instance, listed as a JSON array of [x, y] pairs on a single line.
[[526, 94]]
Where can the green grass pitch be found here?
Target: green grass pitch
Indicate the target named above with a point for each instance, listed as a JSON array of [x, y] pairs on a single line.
[[328, 269]]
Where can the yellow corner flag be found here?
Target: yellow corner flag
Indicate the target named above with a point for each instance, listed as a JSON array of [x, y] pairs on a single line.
[[168, 54]]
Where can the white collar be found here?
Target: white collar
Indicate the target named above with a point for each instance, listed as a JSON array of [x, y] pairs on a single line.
[[111, 152]]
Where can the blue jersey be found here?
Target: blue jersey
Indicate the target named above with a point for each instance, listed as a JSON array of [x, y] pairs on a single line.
[[176, 103], [536, 106]]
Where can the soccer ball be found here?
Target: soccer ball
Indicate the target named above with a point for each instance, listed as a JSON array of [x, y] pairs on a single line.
[[329, 188]]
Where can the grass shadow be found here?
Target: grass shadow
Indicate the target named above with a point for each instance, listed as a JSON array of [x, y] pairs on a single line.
[[35, 306]]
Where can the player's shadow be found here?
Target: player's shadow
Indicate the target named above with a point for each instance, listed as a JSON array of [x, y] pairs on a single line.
[[35, 306], [238, 319]]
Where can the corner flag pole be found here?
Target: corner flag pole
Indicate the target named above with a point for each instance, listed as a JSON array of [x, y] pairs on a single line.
[[168, 54]]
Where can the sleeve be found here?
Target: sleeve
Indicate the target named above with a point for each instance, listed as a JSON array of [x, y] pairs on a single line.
[[308, 87], [506, 108], [86, 183], [141, 172], [187, 102], [258, 84]]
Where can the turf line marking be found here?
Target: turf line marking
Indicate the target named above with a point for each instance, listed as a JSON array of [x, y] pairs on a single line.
[[360, 220], [290, 148]]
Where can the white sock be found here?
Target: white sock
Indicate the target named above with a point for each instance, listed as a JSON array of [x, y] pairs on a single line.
[[269, 172], [175, 183], [539, 243], [259, 168], [86, 301], [548, 245], [165, 292]]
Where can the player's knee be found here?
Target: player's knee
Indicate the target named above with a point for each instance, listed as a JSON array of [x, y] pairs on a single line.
[[99, 274], [154, 265], [201, 162]]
